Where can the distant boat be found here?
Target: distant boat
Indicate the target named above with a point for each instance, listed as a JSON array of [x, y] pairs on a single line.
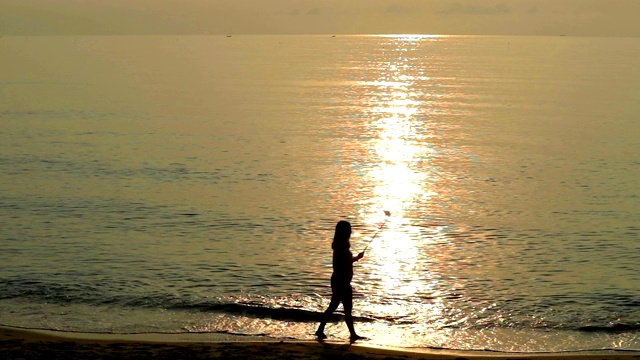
[[228, 35]]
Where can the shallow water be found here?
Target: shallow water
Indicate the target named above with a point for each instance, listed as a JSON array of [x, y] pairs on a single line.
[[192, 183]]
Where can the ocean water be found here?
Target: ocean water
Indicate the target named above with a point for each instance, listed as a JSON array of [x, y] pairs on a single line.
[[192, 183]]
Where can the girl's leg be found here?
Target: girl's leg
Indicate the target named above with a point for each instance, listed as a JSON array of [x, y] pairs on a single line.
[[333, 305], [347, 302]]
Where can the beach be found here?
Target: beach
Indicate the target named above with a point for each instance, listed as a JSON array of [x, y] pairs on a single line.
[[18, 343]]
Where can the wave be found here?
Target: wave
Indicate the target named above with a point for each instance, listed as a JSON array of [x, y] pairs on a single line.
[[26, 290], [612, 328], [275, 313], [36, 291]]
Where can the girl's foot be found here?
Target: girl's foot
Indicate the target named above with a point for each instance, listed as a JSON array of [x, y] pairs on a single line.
[[320, 335], [356, 337]]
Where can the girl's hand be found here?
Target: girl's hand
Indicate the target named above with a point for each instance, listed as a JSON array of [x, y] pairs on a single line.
[[360, 256]]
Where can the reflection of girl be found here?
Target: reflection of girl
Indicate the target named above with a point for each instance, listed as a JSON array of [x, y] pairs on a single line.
[[341, 279]]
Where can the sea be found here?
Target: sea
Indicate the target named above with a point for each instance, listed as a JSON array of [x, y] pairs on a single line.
[[191, 184]]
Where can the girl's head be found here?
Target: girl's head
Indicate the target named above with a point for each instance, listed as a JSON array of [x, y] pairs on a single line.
[[342, 235]]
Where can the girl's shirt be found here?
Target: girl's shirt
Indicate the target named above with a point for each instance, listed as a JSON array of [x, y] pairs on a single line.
[[342, 266]]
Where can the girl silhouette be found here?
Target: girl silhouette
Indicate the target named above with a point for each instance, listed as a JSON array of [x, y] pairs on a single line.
[[341, 279]]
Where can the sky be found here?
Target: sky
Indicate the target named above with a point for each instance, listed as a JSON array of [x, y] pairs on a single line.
[[234, 17]]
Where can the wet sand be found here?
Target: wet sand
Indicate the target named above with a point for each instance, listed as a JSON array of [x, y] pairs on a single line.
[[18, 343]]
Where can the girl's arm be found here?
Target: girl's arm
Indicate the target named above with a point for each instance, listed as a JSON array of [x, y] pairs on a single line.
[[357, 257]]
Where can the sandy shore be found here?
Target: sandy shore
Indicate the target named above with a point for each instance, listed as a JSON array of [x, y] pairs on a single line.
[[36, 344]]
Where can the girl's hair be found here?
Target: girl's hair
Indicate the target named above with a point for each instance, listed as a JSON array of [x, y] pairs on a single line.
[[342, 235]]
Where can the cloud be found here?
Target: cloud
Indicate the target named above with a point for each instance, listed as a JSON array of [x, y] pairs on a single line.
[[399, 10], [460, 9], [314, 11]]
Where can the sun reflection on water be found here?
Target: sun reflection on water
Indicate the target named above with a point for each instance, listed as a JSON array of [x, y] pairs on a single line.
[[400, 181], [398, 143]]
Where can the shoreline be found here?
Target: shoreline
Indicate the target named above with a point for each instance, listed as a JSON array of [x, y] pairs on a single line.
[[20, 343]]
